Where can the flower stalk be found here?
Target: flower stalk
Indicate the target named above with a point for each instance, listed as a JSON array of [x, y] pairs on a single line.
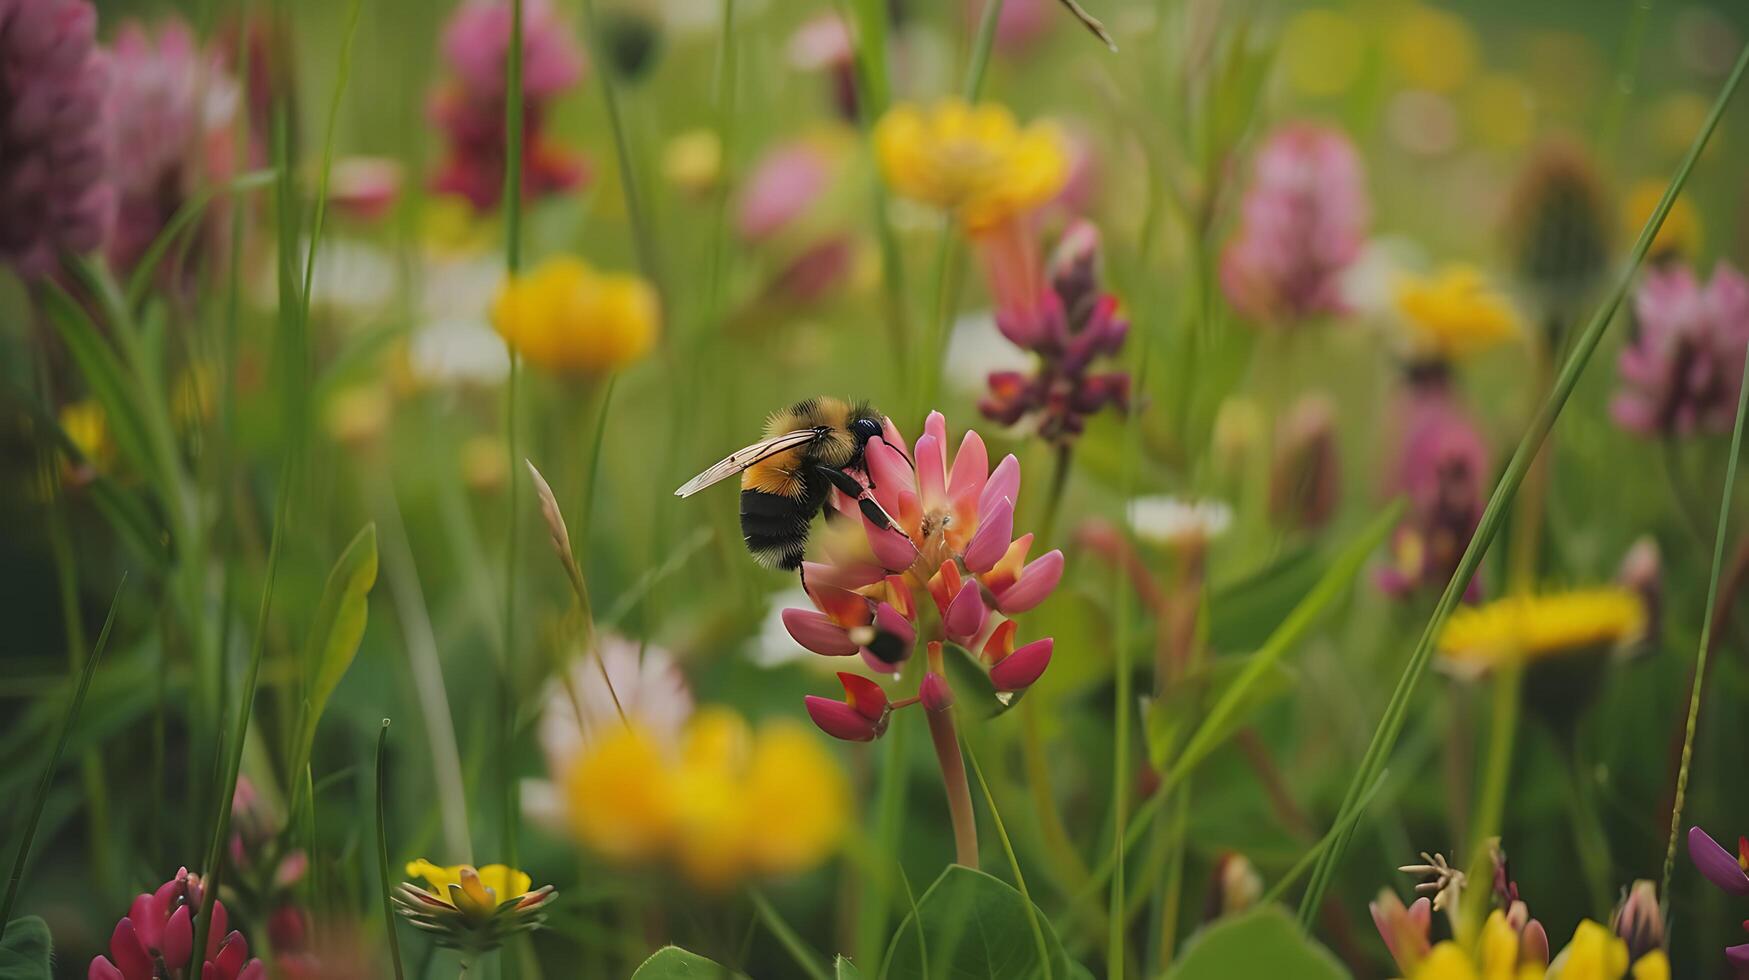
[[945, 739]]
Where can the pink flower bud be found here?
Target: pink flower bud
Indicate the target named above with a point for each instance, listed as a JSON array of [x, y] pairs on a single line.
[[1018, 670], [934, 693], [1037, 581], [965, 615]]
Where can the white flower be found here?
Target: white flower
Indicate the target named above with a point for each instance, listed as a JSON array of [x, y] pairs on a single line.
[[459, 351], [975, 348], [1176, 520]]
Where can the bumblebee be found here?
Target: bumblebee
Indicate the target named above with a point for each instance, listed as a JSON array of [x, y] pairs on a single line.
[[809, 448]]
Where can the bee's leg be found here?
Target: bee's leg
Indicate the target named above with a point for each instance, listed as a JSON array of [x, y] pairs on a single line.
[[848, 485]]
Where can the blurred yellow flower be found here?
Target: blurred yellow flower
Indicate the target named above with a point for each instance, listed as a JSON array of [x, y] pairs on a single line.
[[1322, 51], [728, 803], [1454, 313], [1501, 111], [1675, 120], [693, 160], [485, 463], [357, 414], [1524, 628], [566, 317], [975, 161], [1432, 49], [1500, 957], [87, 427], [450, 226], [1681, 233], [1596, 953]]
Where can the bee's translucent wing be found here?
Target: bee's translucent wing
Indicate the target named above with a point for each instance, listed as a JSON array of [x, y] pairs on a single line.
[[740, 459]]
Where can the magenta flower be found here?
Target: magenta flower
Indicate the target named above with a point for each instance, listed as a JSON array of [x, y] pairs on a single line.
[[1070, 325], [168, 116], [158, 936], [1730, 872], [1442, 468], [1682, 371], [954, 539], [860, 717], [469, 108], [53, 196], [1302, 223]]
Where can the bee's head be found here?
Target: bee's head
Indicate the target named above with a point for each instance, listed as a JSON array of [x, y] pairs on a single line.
[[864, 428]]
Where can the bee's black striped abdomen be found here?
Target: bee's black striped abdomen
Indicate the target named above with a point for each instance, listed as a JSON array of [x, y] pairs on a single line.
[[775, 527]]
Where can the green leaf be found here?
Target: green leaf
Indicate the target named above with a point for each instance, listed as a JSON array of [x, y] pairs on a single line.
[[340, 617], [971, 685], [1262, 943], [674, 963], [24, 953], [973, 925], [1242, 613], [1170, 716], [843, 969]]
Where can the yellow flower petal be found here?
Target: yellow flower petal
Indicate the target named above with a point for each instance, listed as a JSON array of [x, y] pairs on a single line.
[[975, 161]]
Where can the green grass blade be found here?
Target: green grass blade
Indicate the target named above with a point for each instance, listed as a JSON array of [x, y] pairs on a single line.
[[981, 44], [383, 878], [513, 135], [1385, 735], [798, 950], [42, 787], [1706, 633], [140, 281], [1038, 933]]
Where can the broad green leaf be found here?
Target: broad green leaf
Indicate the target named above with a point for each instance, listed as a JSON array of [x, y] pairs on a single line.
[[843, 969], [1262, 943], [340, 617], [973, 925], [971, 685], [1170, 717], [24, 953], [674, 963], [1220, 720], [1242, 613]]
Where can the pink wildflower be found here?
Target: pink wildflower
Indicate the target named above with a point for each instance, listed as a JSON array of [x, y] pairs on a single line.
[[53, 197], [158, 936], [1682, 371], [1303, 221]]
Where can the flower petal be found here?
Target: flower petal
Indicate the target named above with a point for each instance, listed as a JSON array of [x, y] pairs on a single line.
[[1036, 584], [102, 969], [964, 618], [1004, 482], [817, 632], [891, 548], [990, 542], [894, 635], [839, 720], [868, 698], [931, 473], [128, 953], [889, 471], [1020, 669], [971, 467], [1716, 864], [178, 939]]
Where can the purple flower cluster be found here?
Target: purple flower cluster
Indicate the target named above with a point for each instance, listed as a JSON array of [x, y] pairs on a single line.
[[1302, 223], [469, 108], [1683, 370], [53, 198], [1442, 468], [1072, 324]]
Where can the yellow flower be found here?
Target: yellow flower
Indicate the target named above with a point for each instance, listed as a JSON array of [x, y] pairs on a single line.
[[1524, 628], [357, 414], [87, 427], [1432, 49], [471, 908], [566, 317], [693, 160], [1680, 234], [1595, 953], [974, 161], [1501, 110], [1454, 313], [1499, 959], [728, 803]]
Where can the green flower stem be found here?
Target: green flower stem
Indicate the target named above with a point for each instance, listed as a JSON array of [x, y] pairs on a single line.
[[384, 881], [1589, 838], [513, 137], [1385, 736], [981, 45], [42, 788], [1706, 629], [1491, 802], [637, 209]]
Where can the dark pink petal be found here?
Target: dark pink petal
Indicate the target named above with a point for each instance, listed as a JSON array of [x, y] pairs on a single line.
[[178, 939], [964, 618], [888, 620], [1019, 669], [934, 692], [991, 540], [1716, 864], [216, 929], [817, 632], [880, 666], [1037, 581], [891, 547], [253, 970], [128, 953], [1738, 957], [839, 720], [867, 697], [102, 969], [232, 953]]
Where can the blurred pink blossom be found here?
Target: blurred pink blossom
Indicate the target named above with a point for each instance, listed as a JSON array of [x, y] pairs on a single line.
[[1442, 468], [783, 186], [1302, 223], [158, 933], [469, 107], [53, 195], [1683, 370]]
